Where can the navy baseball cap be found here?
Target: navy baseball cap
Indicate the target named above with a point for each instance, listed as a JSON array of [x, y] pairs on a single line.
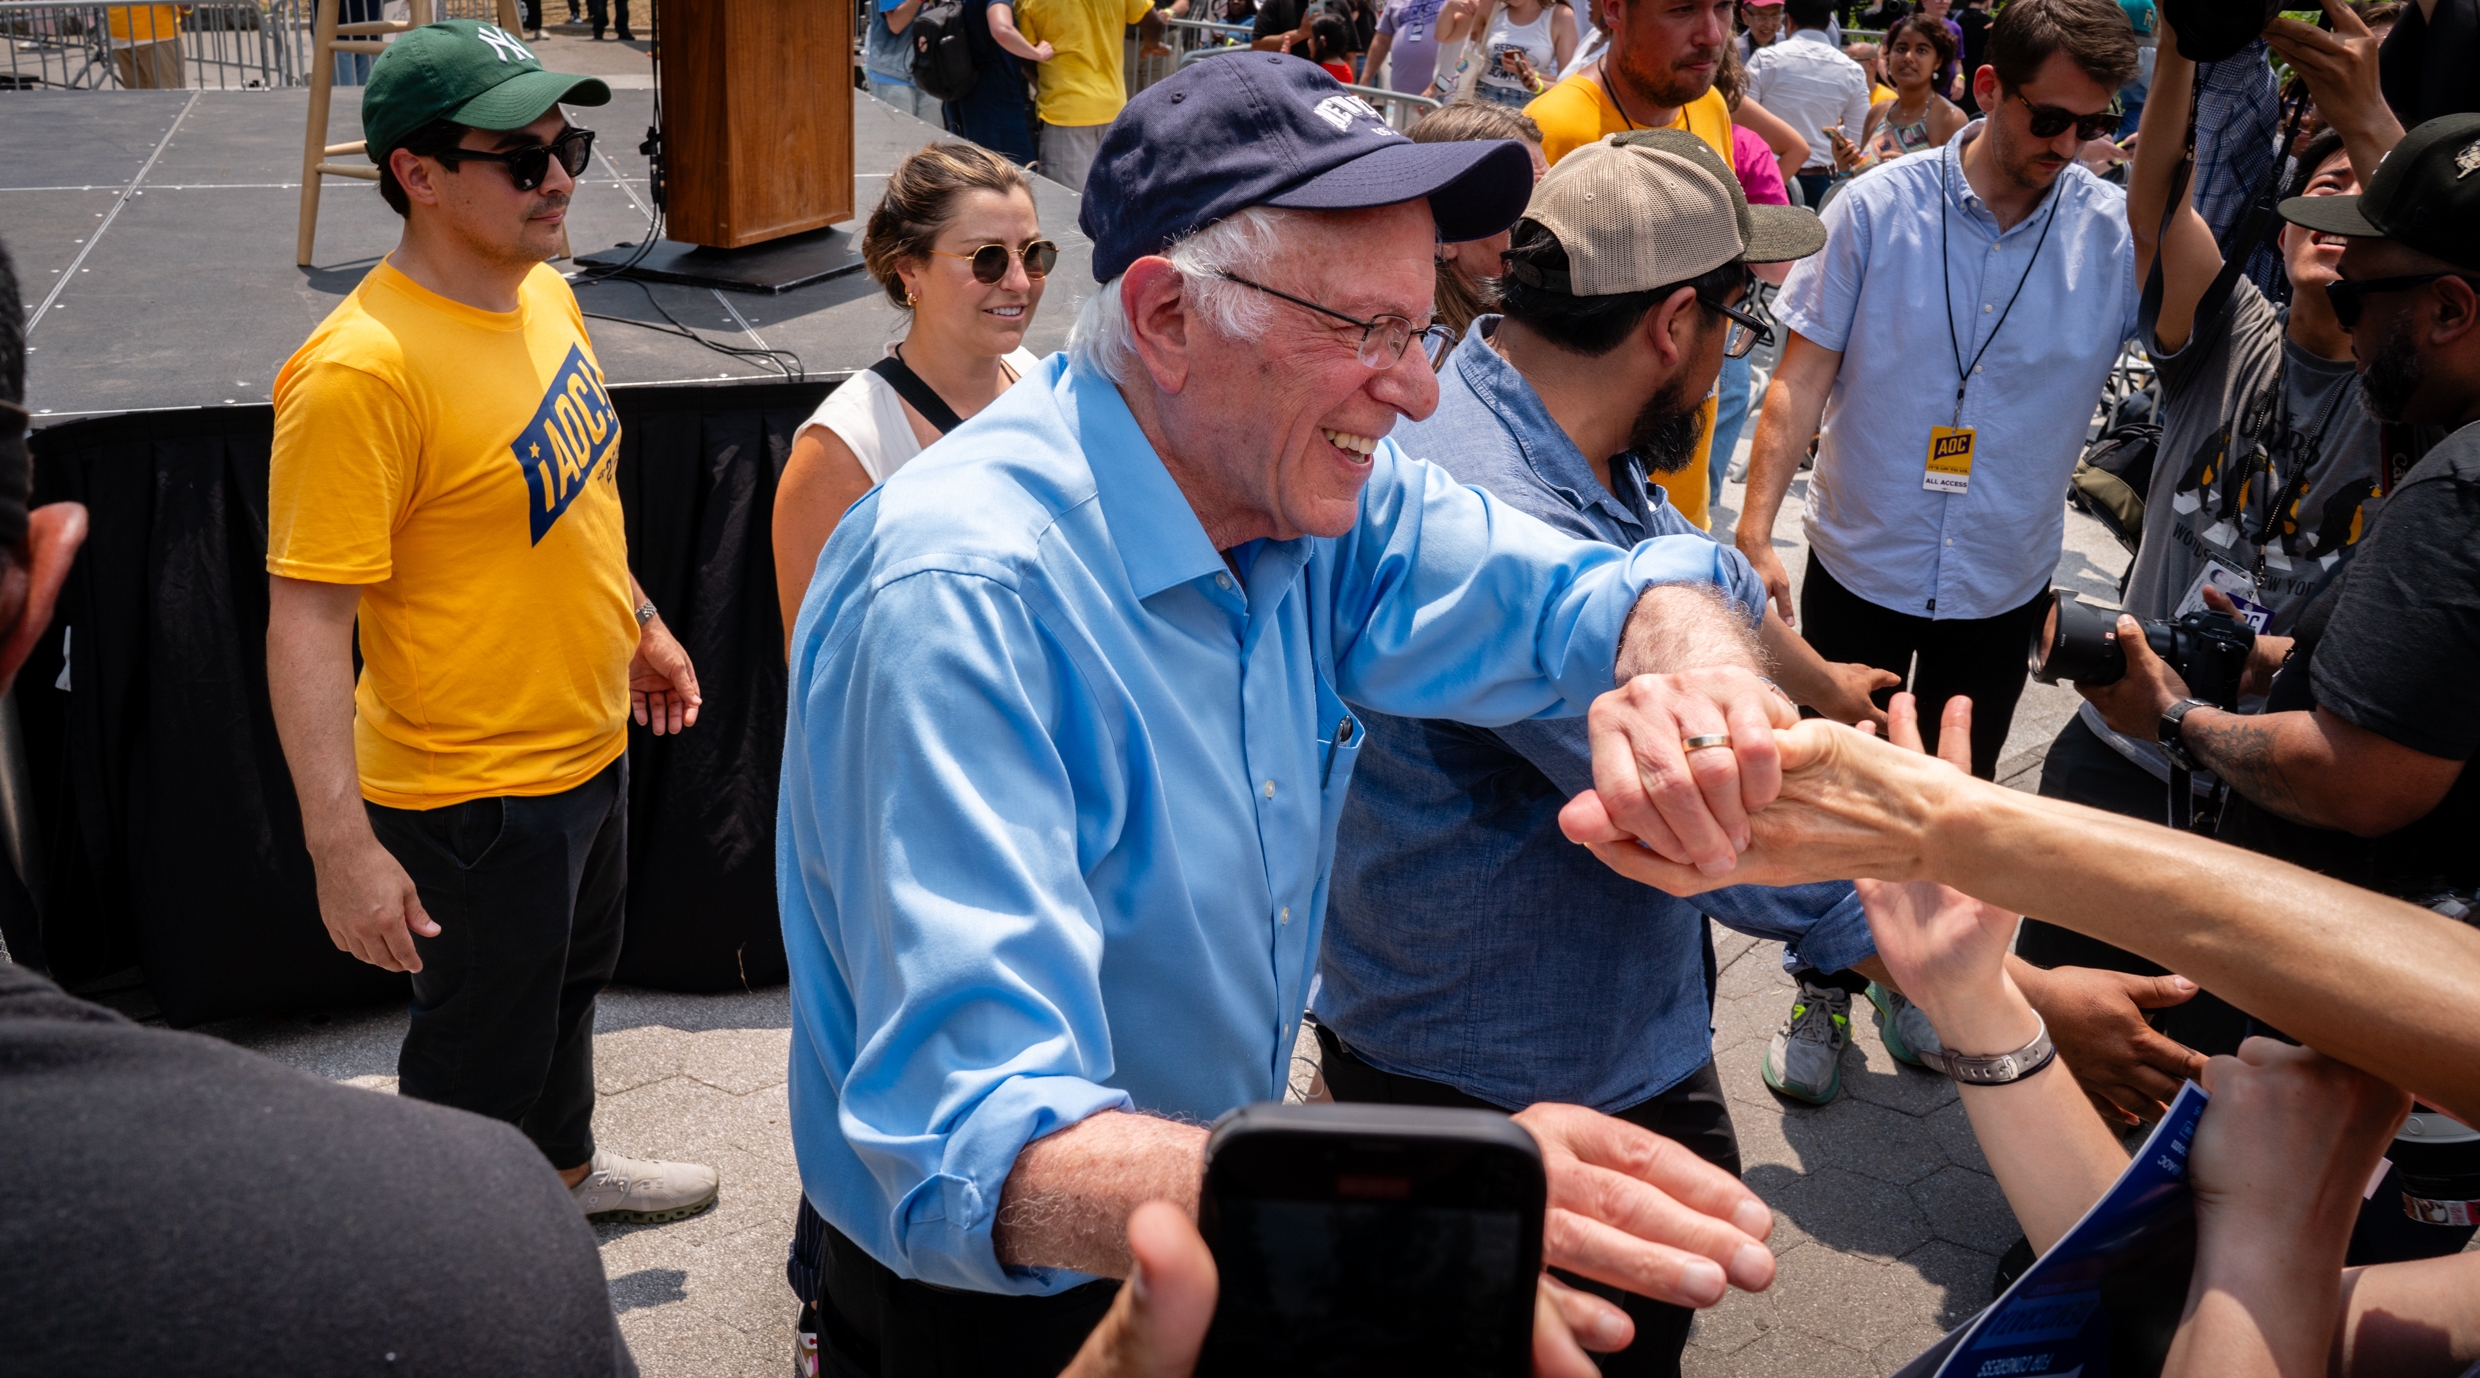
[[1269, 129]]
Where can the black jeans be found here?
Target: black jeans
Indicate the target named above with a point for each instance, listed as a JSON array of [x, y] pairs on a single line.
[[1692, 1112], [1981, 658], [528, 893], [595, 10], [874, 1324]]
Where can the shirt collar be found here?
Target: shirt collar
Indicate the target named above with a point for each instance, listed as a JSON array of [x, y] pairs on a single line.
[[1818, 35], [1553, 458], [1160, 541]]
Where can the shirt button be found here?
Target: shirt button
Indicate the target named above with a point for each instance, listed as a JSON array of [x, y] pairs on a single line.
[[1286, 916], [1270, 789], [1986, 308], [1976, 368], [1950, 540], [1222, 581]]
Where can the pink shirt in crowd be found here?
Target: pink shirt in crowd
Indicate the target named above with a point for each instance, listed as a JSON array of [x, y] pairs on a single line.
[[1760, 176]]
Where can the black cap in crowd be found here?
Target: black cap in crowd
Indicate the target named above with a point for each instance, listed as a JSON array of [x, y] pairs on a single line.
[[2425, 195]]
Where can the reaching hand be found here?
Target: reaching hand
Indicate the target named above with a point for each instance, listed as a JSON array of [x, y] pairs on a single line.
[[2130, 1070], [1853, 687], [1636, 1210], [2133, 705], [2289, 1143], [1691, 807], [663, 687]]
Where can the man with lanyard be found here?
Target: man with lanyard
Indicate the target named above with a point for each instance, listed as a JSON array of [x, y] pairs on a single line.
[[2267, 473], [1658, 73], [1934, 517], [1063, 765]]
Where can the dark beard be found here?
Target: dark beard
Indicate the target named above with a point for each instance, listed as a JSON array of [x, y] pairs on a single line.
[[1665, 89], [1666, 430], [2385, 389]]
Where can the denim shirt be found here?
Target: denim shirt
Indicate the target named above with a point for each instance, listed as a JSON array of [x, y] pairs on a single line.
[[1060, 786], [1468, 941]]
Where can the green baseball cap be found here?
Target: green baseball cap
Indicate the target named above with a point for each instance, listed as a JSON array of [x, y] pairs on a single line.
[[464, 70], [2425, 195]]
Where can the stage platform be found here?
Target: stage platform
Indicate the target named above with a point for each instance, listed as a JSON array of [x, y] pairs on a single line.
[[155, 232]]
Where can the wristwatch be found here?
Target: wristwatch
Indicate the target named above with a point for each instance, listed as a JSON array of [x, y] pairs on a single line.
[[1999, 1070], [645, 613], [2172, 744]]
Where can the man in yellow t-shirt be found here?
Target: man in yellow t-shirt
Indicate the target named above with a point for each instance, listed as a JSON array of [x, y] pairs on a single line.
[[1657, 73], [146, 45], [444, 476], [1079, 89]]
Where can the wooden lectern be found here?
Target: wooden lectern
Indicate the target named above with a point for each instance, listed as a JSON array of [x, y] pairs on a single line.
[[758, 118]]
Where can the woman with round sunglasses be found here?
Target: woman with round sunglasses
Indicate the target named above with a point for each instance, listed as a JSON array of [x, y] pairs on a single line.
[[956, 244]]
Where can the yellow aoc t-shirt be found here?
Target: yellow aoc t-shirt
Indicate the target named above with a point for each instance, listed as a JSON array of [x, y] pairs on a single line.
[[1577, 112], [459, 465], [1082, 84]]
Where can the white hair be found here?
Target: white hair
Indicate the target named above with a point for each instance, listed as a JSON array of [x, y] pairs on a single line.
[[1245, 243]]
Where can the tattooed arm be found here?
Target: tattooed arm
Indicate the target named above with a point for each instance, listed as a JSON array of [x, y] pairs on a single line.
[[2316, 769]]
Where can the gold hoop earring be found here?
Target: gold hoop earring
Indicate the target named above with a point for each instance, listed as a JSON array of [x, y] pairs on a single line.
[[908, 300]]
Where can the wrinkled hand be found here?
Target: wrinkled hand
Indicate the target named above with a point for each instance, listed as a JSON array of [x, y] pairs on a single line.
[[1850, 805], [1157, 1324], [370, 906], [2133, 706], [1638, 1211], [2340, 69], [2264, 658], [2130, 1070], [1689, 807], [2286, 1149], [663, 687]]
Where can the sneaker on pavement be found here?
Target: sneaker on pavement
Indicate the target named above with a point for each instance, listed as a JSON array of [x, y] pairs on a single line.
[[642, 1191], [1805, 1060], [1902, 1026]]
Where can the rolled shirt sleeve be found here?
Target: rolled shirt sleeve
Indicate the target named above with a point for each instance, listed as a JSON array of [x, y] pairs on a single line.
[[1821, 294]]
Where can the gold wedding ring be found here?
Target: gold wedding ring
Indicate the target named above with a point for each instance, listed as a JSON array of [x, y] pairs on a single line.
[[1701, 742]]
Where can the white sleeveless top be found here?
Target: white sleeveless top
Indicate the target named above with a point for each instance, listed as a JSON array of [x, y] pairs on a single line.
[[865, 413]]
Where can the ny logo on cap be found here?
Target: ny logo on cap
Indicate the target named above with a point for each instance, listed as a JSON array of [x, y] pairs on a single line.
[[1340, 111], [2467, 162], [505, 44]]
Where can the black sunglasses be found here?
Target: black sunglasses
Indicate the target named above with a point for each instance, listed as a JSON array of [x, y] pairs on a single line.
[[528, 166], [2048, 121], [2345, 293], [990, 262]]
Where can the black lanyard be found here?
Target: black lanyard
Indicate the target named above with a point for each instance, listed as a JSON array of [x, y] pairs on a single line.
[[1963, 371]]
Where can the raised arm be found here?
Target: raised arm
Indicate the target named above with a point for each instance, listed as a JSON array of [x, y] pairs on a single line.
[[2340, 69], [2190, 257]]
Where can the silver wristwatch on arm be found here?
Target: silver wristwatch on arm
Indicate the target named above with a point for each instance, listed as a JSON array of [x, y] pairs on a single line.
[[2000, 1069]]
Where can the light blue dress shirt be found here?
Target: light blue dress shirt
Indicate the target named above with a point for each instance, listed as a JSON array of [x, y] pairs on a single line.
[[1878, 293], [1060, 791]]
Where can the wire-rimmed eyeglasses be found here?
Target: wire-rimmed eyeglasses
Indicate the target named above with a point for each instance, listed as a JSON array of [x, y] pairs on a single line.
[[1748, 329], [1383, 338]]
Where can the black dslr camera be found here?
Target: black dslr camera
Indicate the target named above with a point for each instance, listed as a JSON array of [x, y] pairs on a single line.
[[2079, 642], [2211, 30]]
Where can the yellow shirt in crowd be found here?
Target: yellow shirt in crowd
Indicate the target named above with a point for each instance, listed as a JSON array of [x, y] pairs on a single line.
[[460, 465], [1082, 84], [1577, 112], [144, 23]]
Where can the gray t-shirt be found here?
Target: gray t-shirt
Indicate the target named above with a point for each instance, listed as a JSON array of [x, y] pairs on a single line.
[[2209, 389]]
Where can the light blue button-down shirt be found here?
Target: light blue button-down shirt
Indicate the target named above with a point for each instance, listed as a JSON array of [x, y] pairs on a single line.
[[1060, 791], [1876, 294]]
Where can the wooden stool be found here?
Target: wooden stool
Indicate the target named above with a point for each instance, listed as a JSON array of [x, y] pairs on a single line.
[[327, 38]]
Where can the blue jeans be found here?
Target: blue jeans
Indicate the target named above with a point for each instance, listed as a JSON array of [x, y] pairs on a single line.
[[1732, 405]]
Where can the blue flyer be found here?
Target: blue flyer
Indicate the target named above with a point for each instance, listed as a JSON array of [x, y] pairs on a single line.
[[2106, 1299]]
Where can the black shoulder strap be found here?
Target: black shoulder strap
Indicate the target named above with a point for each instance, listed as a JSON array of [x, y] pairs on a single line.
[[908, 385]]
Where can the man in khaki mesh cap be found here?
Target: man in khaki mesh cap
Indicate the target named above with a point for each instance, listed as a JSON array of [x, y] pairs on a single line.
[[1627, 285]]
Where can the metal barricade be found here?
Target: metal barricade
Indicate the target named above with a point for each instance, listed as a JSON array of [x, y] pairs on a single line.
[[238, 44], [1182, 39], [1400, 109]]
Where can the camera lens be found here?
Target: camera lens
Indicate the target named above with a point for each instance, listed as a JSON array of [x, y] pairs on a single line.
[[2078, 642]]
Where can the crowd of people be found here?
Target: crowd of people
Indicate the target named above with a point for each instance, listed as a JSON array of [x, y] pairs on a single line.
[[1336, 635]]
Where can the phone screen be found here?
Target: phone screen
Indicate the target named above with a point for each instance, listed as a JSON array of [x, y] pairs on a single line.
[[1367, 1287]]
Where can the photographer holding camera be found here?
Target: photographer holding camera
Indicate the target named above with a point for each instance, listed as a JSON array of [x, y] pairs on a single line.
[[2356, 766], [2267, 465]]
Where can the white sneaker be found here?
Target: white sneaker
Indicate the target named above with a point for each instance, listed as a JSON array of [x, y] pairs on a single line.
[[642, 1191]]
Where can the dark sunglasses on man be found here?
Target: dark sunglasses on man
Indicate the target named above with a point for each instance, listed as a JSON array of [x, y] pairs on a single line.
[[2348, 294], [528, 166], [2048, 121], [990, 262]]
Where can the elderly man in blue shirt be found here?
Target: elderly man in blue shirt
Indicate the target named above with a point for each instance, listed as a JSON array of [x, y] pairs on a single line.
[[1069, 738]]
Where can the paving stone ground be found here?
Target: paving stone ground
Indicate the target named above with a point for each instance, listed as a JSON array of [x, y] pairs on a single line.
[[1887, 1222]]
